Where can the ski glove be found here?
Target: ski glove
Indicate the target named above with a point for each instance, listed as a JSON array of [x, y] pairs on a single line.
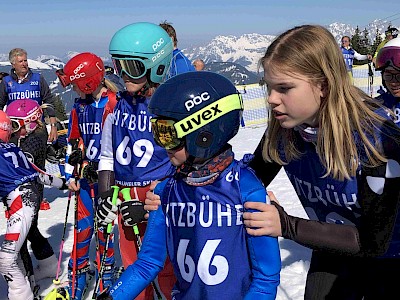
[[89, 173], [106, 210], [75, 158], [132, 212]]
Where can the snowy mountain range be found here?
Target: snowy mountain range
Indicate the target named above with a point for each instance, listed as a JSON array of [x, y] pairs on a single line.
[[234, 57]]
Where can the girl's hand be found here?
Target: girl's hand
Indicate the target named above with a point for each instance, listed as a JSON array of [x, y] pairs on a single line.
[[152, 201], [73, 185], [264, 220]]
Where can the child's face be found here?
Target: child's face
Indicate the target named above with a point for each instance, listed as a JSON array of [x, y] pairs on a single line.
[[178, 157], [293, 99], [134, 85], [392, 80]]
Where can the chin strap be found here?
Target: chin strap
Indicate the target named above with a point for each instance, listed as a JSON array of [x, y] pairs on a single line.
[[142, 92]]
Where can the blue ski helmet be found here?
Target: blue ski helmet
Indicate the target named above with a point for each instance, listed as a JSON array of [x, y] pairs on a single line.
[[145, 42], [207, 109]]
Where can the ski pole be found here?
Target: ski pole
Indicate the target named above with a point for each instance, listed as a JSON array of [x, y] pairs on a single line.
[[96, 233], [107, 238], [126, 195], [75, 249], [56, 281]]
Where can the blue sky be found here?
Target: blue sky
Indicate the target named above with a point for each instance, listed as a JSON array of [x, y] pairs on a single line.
[[57, 26]]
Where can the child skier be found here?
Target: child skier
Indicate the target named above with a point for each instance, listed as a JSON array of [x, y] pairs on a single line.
[[199, 222], [19, 193], [141, 53], [29, 134], [97, 98]]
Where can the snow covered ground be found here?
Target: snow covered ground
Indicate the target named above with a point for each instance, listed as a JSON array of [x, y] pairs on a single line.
[[295, 258]]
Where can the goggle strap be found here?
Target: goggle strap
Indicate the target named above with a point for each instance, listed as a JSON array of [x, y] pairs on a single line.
[[208, 114]]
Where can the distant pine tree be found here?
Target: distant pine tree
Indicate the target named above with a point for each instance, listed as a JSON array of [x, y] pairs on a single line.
[[355, 39], [59, 108], [377, 41], [360, 43]]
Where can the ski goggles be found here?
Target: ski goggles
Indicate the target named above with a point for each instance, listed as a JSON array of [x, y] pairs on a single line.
[[169, 133], [391, 77], [134, 67], [388, 56], [16, 124], [64, 80], [165, 134]]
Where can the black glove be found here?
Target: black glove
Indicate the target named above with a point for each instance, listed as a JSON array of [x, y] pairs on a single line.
[[89, 173], [51, 154], [106, 210], [132, 212], [75, 158]]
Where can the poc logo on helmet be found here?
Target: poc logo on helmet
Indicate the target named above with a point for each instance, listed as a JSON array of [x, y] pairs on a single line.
[[157, 56], [77, 75], [189, 104], [158, 44]]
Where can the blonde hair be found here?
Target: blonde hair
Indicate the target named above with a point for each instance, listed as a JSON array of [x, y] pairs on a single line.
[[110, 85], [345, 111]]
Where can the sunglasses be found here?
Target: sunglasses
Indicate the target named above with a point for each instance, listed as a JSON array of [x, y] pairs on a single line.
[[388, 56], [165, 134], [16, 124], [390, 77], [133, 67]]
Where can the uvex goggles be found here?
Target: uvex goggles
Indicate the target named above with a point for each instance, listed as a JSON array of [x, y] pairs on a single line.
[[134, 67], [16, 124], [388, 56], [169, 133]]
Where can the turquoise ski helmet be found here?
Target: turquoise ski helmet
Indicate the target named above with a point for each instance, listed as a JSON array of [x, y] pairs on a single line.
[[146, 43]]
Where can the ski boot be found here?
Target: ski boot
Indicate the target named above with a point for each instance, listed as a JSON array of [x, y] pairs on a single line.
[[108, 276], [81, 282]]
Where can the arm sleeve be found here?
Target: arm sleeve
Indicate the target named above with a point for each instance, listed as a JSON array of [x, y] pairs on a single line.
[[106, 162], [263, 251], [359, 56], [73, 135], [150, 260], [3, 95], [266, 171], [47, 97]]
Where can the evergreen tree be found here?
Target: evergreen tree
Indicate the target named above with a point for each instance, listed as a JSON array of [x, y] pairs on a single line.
[[355, 39], [360, 43], [59, 108], [377, 41]]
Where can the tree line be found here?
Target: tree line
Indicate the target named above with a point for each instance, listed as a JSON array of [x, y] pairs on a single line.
[[360, 42]]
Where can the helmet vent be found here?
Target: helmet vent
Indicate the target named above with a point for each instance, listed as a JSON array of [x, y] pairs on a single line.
[[160, 70], [204, 139]]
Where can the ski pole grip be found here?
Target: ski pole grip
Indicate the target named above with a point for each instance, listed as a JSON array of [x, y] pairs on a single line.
[[126, 194], [114, 202]]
